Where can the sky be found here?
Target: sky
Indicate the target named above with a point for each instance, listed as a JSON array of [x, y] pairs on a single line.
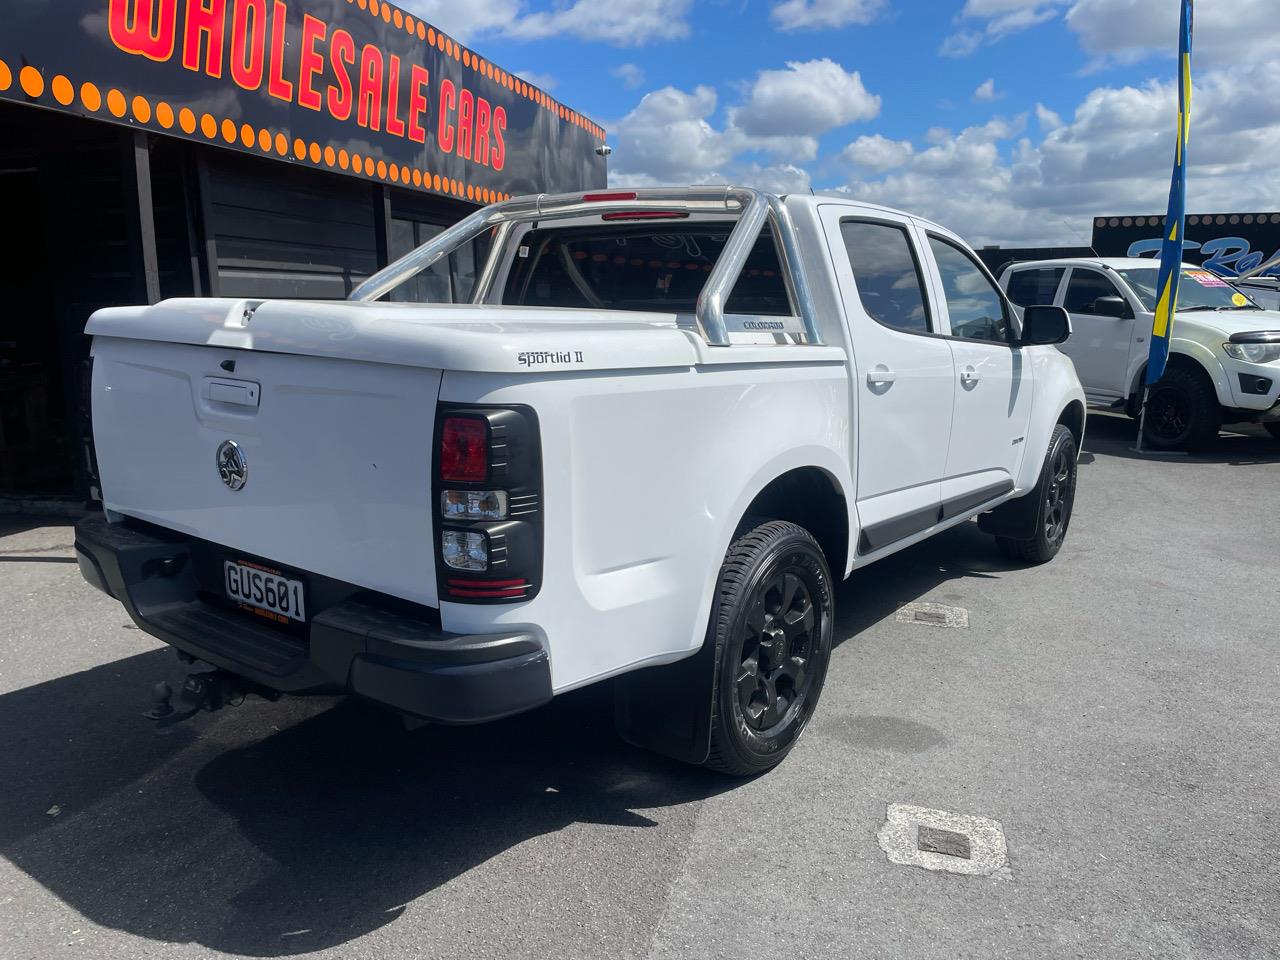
[[1010, 121]]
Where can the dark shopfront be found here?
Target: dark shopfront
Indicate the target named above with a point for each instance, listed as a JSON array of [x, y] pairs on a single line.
[[233, 148]]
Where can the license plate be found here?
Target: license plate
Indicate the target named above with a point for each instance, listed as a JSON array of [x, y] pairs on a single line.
[[264, 592]]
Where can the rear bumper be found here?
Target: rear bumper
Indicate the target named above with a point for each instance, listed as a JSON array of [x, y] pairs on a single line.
[[357, 645]]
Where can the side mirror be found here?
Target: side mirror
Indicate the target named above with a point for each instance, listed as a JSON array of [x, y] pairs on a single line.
[[1112, 307], [1042, 326]]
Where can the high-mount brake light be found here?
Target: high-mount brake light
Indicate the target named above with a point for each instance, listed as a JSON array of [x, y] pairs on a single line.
[[606, 197], [464, 449], [645, 215]]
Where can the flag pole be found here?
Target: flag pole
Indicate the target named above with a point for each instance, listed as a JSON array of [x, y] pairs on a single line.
[[1142, 419]]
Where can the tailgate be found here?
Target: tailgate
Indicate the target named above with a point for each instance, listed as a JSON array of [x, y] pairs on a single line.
[[337, 456]]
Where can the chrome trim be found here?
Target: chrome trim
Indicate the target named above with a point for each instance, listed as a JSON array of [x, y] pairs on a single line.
[[753, 207], [1256, 336]]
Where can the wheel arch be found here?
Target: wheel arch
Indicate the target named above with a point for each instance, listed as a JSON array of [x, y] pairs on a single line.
[[1072, 417], [1193, 356], [812, 498]]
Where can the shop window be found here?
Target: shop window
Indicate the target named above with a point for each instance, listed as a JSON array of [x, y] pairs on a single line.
[[446, 281]]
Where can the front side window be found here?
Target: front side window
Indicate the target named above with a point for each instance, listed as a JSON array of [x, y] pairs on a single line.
[[1085, 288], [1035, 286], [974, 303], [888, 277]]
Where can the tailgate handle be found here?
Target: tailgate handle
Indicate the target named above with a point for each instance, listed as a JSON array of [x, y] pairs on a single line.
[[243, 393]]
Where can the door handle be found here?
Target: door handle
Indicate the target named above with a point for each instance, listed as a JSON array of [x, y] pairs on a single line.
[[969, 375], [880, 375]]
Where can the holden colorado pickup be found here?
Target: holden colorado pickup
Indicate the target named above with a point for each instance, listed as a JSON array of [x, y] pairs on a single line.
[[664, 426], [1224, 356]]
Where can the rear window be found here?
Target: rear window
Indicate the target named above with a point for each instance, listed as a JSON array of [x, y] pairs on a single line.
[[1035, 287], [641, 268]]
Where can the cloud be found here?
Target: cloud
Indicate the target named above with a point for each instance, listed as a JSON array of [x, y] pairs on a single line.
[[631, 75], [632, 24], [1047, 119], [986, 92], [877, 153], [1125, 31], [806, 99], [669, 137], [822, 14], [1113, 156], [544, 80], [999, 19]]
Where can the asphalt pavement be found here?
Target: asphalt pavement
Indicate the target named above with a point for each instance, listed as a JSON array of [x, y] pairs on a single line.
[[1113, 713]]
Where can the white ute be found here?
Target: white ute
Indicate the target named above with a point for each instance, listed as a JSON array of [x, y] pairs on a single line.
[[1224, 356], [667, 423]]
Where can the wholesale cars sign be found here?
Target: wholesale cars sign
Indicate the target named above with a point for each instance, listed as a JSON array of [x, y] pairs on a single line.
[[354, 86]]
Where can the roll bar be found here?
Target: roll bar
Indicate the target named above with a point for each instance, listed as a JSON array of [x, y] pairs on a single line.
[[752, 207]]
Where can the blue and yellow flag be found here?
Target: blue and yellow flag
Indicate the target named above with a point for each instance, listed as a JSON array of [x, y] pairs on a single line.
[[1171, 248]]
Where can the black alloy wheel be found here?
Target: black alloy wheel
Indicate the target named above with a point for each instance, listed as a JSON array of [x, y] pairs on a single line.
[[1182, 411], [1060, 493], [773, 677], [1168, 414], [1055, 497], [771, 627]]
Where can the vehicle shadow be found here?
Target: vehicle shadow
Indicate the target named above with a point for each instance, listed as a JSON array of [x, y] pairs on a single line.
[[303, 838], [1114, 435], [875, 592], [280, 829]]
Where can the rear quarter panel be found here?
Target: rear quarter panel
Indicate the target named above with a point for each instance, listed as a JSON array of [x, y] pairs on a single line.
[[646, 476]]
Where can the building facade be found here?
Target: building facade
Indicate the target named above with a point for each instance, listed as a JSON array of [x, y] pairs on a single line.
[[237, 148]]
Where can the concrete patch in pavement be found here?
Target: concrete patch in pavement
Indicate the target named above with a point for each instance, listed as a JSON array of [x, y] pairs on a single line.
[[933, 614], [938, 840]]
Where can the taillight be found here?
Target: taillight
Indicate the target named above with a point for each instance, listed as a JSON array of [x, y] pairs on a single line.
[[488, 488], [464, 449]]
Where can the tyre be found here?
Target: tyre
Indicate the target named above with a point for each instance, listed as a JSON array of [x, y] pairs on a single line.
[[1182, 411], [771, 626], [1056, 493], [1273, 429]]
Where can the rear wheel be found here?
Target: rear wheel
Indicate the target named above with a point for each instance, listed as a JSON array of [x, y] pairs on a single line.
[[1182, 411], [1056, 492], [771, 627]]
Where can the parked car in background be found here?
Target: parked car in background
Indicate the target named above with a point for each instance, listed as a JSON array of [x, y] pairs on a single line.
[[1224, 357], [668, 423]]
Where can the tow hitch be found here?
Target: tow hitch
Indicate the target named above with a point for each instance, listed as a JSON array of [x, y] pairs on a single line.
[[209, 690]]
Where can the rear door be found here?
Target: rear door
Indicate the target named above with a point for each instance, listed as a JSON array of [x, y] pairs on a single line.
[[992, 385], [1099, 344], [902, 374]]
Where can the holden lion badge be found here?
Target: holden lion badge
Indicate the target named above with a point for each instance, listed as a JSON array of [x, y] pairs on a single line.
[[232, 466]]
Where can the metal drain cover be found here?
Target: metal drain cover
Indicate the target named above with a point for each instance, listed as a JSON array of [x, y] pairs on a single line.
[[938, 840]]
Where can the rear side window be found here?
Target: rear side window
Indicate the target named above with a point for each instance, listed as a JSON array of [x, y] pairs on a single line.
[[641, 268], [887, 274], [1084, 288], [1035, 286]]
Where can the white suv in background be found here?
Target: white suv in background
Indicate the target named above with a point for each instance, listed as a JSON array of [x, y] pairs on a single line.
[[1224, 358]]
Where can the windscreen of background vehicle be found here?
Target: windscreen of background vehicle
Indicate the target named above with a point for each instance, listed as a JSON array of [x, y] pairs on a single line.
[[643, 267], [1197, 290]]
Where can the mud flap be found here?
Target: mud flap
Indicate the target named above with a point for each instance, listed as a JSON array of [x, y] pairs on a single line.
[[667, 709], [1015, 519]]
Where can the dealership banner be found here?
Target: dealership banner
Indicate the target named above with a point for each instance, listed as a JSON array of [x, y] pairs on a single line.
[[358, 87], [1226, 243]]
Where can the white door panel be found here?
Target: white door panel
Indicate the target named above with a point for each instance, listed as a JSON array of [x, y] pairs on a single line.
[[992, 385], [902, 374], [1098, 345]]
